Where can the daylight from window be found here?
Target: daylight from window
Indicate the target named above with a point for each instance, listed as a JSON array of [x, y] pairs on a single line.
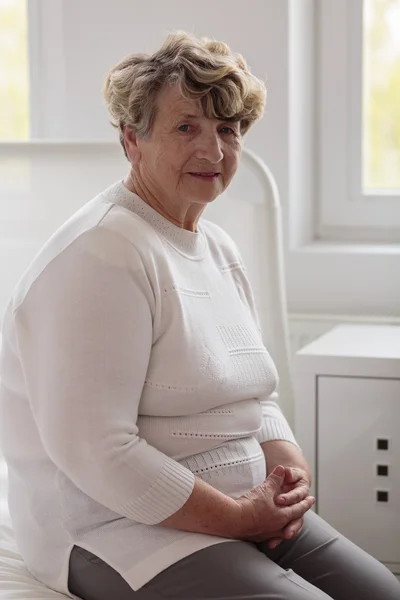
[[381, 96], [14, 70]]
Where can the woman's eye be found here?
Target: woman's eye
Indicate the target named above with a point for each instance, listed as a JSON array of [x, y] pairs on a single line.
[[184, 128], [228, 130]]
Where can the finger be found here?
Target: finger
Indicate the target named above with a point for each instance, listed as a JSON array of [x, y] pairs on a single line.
[[287, 487], [293, 474], [274, 543], [296, 511], [277, 476], [293, 529], [293, 496]]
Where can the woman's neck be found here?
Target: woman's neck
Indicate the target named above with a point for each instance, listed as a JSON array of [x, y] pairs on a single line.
[[186, 219]]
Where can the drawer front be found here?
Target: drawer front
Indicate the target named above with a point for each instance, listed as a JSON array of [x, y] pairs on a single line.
[[358, 464]]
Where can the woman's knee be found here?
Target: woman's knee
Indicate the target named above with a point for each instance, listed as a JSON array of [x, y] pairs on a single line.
[[379, 583], [336, 565]]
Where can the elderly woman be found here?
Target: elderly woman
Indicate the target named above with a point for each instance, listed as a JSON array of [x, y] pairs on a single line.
[[139, 409]]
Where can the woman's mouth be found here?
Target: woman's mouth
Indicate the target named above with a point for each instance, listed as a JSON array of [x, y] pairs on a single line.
[[205, 176]]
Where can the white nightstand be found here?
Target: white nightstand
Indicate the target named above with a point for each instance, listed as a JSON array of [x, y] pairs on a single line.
[[347, 386]]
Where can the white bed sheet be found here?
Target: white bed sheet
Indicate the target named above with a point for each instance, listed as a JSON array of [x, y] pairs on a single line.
[[16, 583]]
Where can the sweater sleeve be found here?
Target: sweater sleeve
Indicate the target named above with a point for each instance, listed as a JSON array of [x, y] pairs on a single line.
[[85, 333], [274, 423]]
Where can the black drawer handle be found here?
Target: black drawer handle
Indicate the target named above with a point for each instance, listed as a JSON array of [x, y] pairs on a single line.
[[382, 444], [382, 470], [382, 496]]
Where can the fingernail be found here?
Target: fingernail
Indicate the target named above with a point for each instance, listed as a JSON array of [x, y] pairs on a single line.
[[279, 471]]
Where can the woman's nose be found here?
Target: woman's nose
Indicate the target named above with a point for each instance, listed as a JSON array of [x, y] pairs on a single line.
[[209, 148]]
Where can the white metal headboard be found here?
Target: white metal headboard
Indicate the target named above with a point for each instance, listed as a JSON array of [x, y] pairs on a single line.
[[278, 323]]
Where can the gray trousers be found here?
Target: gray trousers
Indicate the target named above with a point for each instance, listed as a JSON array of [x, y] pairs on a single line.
[[317, 565]]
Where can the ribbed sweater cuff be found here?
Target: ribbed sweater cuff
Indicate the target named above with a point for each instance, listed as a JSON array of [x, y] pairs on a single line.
[[168, 494], [275, 429]]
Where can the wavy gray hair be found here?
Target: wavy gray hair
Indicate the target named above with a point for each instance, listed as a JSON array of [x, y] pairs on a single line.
[[205, 70]]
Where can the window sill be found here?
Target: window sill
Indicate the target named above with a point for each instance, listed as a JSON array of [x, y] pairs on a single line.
[[345, 278], [346, 248]]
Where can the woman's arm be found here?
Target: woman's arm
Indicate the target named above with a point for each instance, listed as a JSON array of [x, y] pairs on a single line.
[[207, 510], [274, 424], [255, 516], [85, 333], [281, 452]]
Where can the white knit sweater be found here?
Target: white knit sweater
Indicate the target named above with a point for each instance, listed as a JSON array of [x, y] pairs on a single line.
[[131, 362]]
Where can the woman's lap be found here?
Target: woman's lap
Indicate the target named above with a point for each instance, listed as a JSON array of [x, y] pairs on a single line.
[[319, 564], [228, 571]]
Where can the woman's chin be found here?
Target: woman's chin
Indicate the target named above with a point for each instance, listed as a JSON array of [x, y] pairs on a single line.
[[205, 196], [204, 200]]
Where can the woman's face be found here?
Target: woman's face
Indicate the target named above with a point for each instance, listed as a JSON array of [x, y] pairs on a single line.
[[187, 158]]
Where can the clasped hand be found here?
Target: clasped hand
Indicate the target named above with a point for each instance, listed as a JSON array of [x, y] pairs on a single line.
[[274, 510], [294, 489]]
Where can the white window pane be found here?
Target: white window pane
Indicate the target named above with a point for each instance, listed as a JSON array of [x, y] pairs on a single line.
[[381, 95], [14, 70]]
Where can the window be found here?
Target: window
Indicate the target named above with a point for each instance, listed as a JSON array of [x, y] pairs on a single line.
[[381, 96], [14, 70], [358, 91], [32, 70]]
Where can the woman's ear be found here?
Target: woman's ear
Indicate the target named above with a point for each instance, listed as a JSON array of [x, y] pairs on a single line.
[[131, 145]]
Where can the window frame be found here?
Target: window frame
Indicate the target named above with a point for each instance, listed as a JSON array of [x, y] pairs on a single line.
[[47, 72], [344, 211]]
